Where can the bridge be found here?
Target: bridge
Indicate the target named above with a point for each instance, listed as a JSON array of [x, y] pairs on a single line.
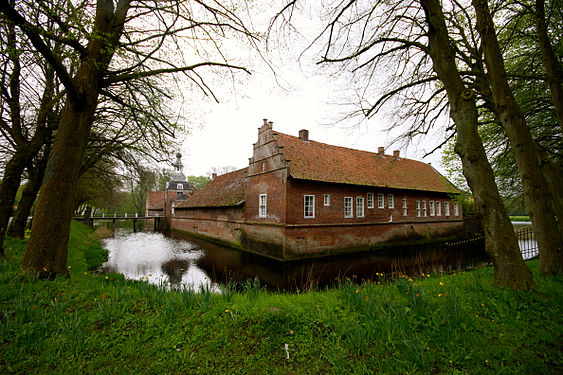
[[121, 216]]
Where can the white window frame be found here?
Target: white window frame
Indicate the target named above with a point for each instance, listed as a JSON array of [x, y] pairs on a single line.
[[405, 208], [456, 209], [447, 208], [418, 209], [424, 211], [305, 206], [180, 187], [263, 206], [326, 199], [370, 200], [360, 207], [390, 201], [432, 208], [348, 208], [380, 200], [438, 208]]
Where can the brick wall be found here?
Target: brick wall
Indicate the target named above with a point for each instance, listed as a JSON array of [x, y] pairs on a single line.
[[304, 241], [220, 223], [334, 212]]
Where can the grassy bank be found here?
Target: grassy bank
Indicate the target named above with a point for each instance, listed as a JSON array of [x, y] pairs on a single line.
[[452, 324]]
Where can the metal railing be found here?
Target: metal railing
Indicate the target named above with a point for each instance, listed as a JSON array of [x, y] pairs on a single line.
[[525, 236], [527, 242]]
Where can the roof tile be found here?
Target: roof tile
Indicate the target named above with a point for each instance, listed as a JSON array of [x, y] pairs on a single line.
[[225, 190], [311, 160]]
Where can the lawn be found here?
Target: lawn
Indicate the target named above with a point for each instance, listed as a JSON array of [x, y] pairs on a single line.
[[439, 324]]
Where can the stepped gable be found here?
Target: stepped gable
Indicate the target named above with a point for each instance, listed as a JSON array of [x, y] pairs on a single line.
[[223, 191], [311, 160]]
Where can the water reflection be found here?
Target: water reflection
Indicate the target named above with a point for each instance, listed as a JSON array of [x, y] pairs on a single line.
[[185, 261], [154, 257]]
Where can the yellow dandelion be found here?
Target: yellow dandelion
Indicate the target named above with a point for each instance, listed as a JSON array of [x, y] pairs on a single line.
[[441, 283], [45, 269], [410, 279], [68, 267], [357, 290], [107, 277], [440, 295]]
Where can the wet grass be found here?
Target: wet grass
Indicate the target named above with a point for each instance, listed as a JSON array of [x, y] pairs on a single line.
[[438, 324]]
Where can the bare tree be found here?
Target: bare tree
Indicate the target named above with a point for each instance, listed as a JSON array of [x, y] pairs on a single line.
[[126, 42], [431, 71], [538, 197]]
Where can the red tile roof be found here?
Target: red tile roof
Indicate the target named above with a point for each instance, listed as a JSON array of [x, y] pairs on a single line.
[[225, 190], [310, 160], [155, 200]]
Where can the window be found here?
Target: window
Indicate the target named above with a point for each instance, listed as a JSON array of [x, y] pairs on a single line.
[[359, 206], [370, 200], [263, 166], [447, 208], [348, 207], [424, 209], [456, 209], [180, 187], [404, 206], [309, 207], [178, 193], [327, 199], [380, 201], [438, 208], [390, 201], [432, 212], [418, 208], [262, 205]]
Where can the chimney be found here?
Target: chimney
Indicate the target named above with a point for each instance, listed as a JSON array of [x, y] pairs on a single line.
[[213, 176], [396, 154], [380, 150], [265, 121], [304, 135]]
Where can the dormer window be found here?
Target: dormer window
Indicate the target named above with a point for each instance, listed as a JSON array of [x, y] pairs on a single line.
[[180, 187]]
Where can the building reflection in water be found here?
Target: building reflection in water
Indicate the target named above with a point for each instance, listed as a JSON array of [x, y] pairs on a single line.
[[187, 262]]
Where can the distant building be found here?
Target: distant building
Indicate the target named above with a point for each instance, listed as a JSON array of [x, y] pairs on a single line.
[[300, 198], [177, 190]]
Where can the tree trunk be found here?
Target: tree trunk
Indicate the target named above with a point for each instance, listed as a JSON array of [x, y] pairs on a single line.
[[554, 177], [536, 189], [500, 240], [46, 252], [19, 223], [8, 190], [550, 63]]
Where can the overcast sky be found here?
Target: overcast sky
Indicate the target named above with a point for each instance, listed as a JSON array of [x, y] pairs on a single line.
[[300, 98]]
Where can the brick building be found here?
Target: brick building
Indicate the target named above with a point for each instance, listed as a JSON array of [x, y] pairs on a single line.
[[176, 191], [300, 198]]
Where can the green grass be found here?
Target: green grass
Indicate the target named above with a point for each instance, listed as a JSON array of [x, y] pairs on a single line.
[[520, 218], [442, 324]]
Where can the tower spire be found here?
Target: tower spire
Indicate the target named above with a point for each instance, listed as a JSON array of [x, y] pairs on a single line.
[[178, 174]]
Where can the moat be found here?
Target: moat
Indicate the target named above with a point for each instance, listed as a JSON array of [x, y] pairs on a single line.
[[183, 261]]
